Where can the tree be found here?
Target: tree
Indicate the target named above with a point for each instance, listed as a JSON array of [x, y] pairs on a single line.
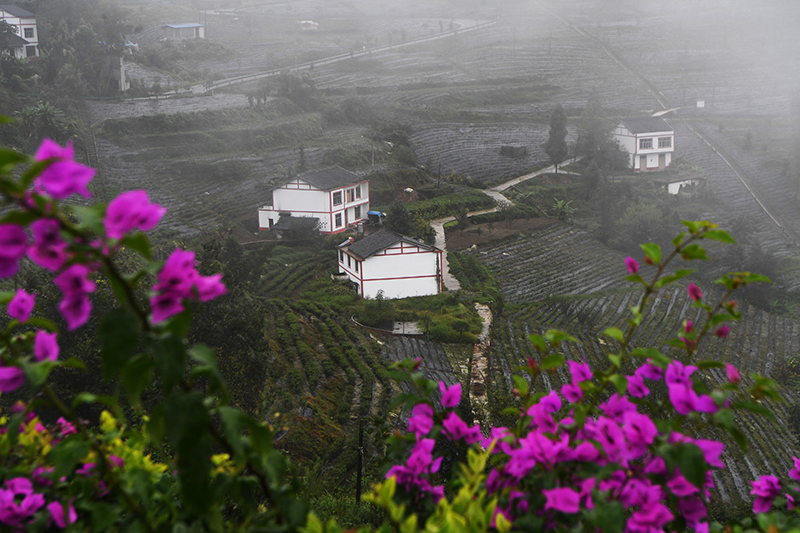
[[556, 146], [595, 143], [6, 32], [399, 219]]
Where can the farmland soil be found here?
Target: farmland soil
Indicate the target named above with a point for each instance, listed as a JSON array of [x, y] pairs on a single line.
[[480, 234]]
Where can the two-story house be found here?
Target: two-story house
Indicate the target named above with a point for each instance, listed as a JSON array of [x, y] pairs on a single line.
[[25, 44], [649, 142], [386, 261], [336, 197]]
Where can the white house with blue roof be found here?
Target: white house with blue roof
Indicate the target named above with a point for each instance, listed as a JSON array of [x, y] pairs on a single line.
[[336, 197], [185, 30]]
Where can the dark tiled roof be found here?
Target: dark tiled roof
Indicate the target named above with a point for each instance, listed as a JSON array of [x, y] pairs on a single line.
[[295, 223], [369, 246], [330, 178], [15, 11], [646, 124], [15, 41]]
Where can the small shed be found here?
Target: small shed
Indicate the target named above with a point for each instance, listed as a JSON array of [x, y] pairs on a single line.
[[184, 30]]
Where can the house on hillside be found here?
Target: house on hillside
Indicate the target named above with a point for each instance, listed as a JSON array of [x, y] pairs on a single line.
[[184, 30], [648, 141], [336, 197], [25, 44], [386, 261]]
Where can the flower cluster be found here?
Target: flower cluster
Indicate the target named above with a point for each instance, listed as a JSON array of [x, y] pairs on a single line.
[[179, 280]]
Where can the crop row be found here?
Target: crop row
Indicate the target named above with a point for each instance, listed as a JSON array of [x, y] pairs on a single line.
[[555, 260]]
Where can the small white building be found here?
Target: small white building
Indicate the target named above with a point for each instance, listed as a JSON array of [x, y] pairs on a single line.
[[336, 197], [648, 141], [25, 44], [386, 261], [184, 30]]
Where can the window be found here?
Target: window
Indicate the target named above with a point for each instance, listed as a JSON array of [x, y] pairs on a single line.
[[348, 261], [357, 212], [665, 142], [351, 195], [28, 32], [337, 198], [356, 265], [341, 256], [30, 51], [358, 192], [338, 219], [645, 144]]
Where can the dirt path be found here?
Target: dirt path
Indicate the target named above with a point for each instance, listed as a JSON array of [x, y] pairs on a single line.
[[480, 363]]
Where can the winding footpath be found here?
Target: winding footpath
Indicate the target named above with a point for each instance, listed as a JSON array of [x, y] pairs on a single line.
[[450, 282]]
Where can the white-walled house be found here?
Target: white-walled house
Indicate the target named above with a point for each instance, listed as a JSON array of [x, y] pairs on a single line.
[[336, 197], [25, 44], [184, 30], [386, 261], [648, 141]]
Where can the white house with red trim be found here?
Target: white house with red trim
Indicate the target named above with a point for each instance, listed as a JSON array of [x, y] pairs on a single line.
[[25, 44], [386, 261], [336, 197], [648, 141]]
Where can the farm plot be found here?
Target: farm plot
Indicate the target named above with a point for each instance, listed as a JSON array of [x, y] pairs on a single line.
[[756, 344], [556, 260], [734, 196]]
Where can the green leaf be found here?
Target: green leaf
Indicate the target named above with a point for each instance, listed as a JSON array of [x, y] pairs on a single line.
[[671, 278], [750, 277], [610, 517], [755, 407], [205, 355], [722, 317], [652, 251], [139, 243], [90, 218], [703, 365], [552, 361], [34, 170], [614, 333], [724, 417], [739, 437], [136, 376], [170, 356], [233, 421], [7, 120], [42, 323], [538, 342], [615, 359], [620, 382], [693, 227], [658, 358], [678, 239], [635, 278], [692, 464], [520, 384], [119, 339], [719, 235], [37, 372], [555, 336], [693, 251], [66, 454], [20, 218]]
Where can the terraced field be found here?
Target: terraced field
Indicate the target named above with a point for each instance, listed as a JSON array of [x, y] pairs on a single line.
[[554, 261]]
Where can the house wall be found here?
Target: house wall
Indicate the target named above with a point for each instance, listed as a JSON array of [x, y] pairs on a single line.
[[23, 23], [302, 199], [399, 271], [629, 142]]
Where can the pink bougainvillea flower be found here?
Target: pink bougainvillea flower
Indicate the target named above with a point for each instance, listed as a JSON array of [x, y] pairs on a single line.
[[712, 451], [21, 305], [13, 241], [551, 402], [130, 211], [579, 371], [75, 308], [74, 280], [632, 265], [421, 420], [165, 306], [678, 373], [765, 489], [63, 177], [45, 346], [683, 398], [209, 287], [794, 473], [18, 502], [451, 395], [694, 292], [48, 250], [732, 373], [651, 517], [562, 499], [636, 386], [8, 266], [688, 326], [456, 429], [571, 392], [649, 371], [58, 515], [11, 378], [722, 331]]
